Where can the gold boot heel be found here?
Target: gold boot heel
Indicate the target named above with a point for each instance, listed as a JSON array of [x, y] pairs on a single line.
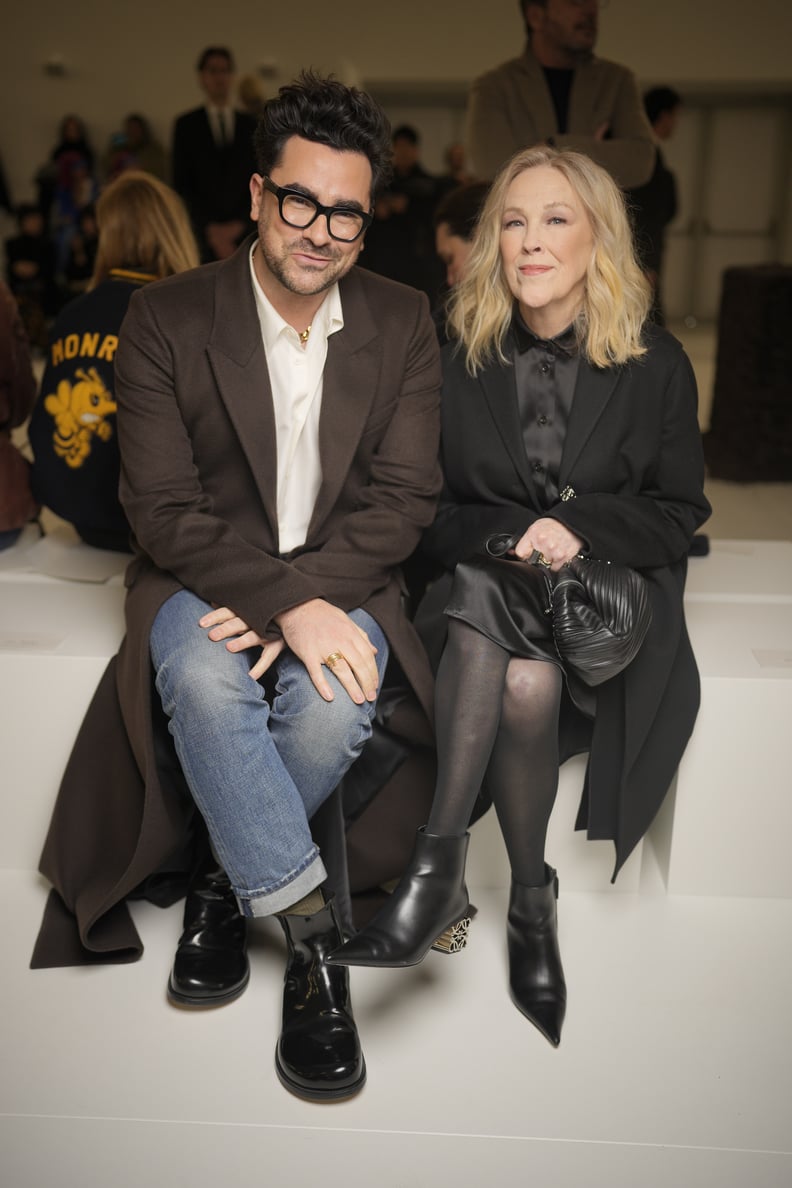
[[454, 939]]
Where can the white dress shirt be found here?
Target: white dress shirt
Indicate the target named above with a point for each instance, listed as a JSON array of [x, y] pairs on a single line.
[[296, 373]]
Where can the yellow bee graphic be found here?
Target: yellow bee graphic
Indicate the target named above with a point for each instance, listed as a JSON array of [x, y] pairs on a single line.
[[79, 412]]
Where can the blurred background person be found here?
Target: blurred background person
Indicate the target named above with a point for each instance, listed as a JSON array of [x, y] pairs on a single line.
[[655, 205], [400, 241], [134, 147], [558, 92], [17, 394], [82, 252], [67, 183], [455, 223], [250, 93], [30, 272], [456, 173], [144, 235], [212, 159]]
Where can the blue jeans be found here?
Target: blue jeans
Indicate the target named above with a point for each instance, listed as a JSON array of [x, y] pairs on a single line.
[[257, 772]]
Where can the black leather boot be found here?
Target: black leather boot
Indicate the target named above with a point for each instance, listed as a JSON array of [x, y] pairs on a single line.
[[536, 978], [318, 1056], [428, 910], [211, 966]]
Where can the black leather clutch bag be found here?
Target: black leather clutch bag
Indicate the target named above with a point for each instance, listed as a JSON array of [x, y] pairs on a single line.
[[600, 611]]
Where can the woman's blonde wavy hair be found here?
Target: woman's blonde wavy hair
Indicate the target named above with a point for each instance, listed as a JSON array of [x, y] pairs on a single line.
[[617, 295], [143, 227]]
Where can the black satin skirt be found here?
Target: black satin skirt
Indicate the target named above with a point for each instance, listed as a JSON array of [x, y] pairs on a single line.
[[508, 602]]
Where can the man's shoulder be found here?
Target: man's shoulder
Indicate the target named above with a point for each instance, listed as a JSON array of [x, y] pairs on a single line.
[[606, 69], [182, 294], [188, 119], [507, 73], [378, 290]]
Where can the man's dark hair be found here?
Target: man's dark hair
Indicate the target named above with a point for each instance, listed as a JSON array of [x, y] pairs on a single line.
[[460, 208], [660, 99], [327, 112], [215, 51], [406, 132]]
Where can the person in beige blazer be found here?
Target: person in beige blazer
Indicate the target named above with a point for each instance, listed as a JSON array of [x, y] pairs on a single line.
[[557, 92], [278, 417]]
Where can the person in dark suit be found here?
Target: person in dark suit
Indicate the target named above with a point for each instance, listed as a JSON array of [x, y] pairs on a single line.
[[569, 422], [655, 205], [278, 418], [212, 159]]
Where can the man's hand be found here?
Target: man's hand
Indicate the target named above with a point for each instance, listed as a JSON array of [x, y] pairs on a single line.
[[225, 625], [553, 540], [315, 630]]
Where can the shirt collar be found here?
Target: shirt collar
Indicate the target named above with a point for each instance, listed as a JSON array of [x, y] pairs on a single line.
[[525, 339], [326, 321]]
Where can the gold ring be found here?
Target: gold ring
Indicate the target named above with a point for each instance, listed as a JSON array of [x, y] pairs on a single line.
[[333, 659], [543, 561]]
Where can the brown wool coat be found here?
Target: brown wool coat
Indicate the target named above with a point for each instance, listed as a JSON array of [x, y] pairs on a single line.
[[198, 483]]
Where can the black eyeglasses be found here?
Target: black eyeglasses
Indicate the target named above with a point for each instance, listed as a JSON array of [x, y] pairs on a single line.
[[298, 210]]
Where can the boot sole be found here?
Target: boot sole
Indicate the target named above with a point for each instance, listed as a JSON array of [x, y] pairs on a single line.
[[196, 1003], [343, 1093]]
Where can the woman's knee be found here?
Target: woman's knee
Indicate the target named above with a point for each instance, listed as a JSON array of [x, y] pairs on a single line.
[[531, 686]]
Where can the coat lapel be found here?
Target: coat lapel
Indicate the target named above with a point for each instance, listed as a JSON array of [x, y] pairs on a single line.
[[498, 384], [593, 390], [239, 364], [351, 378]]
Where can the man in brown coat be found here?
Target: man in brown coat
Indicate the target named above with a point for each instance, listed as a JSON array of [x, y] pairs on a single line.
[[558, 92], [278, 423]]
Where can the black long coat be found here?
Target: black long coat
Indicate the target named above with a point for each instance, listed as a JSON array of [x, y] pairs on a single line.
[[632, 456]]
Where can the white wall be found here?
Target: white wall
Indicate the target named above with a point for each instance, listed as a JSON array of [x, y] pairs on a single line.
[[125, 57]]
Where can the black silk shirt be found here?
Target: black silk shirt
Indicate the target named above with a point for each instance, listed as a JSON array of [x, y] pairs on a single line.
[[545, 373]]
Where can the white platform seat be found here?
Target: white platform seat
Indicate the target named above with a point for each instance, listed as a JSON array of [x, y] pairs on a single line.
[[726, 828], [742, 571], [56, 638]]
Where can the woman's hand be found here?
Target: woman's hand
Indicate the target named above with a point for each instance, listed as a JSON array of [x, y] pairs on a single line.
[[223, 624], [552, 539]]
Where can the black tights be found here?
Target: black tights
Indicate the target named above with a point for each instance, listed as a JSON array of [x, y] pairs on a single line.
[[497, 715]]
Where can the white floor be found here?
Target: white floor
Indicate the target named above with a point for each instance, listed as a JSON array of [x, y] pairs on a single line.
[[675, 1068]]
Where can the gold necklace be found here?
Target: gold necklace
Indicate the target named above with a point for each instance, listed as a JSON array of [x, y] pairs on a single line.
[[303, 334]]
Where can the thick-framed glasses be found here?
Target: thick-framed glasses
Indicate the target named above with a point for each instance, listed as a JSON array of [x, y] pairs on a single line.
[[298, 210]]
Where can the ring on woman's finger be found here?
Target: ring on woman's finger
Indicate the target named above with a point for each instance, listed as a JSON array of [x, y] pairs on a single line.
[[333, 659], [537, 558]]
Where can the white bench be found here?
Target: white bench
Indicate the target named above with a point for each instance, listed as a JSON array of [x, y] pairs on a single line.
[[56, 638], [730, 812], [726, 828]]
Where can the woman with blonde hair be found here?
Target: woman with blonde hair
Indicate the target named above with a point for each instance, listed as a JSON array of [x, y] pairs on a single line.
[[569, 428], [144, 235]]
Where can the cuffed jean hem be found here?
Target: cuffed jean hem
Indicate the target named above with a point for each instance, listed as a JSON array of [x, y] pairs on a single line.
[[284, 895]]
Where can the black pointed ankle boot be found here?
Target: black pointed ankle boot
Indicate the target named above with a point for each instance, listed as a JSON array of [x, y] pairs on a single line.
[[211, 965], [318, 1056], [428, 910], [536, 978]]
